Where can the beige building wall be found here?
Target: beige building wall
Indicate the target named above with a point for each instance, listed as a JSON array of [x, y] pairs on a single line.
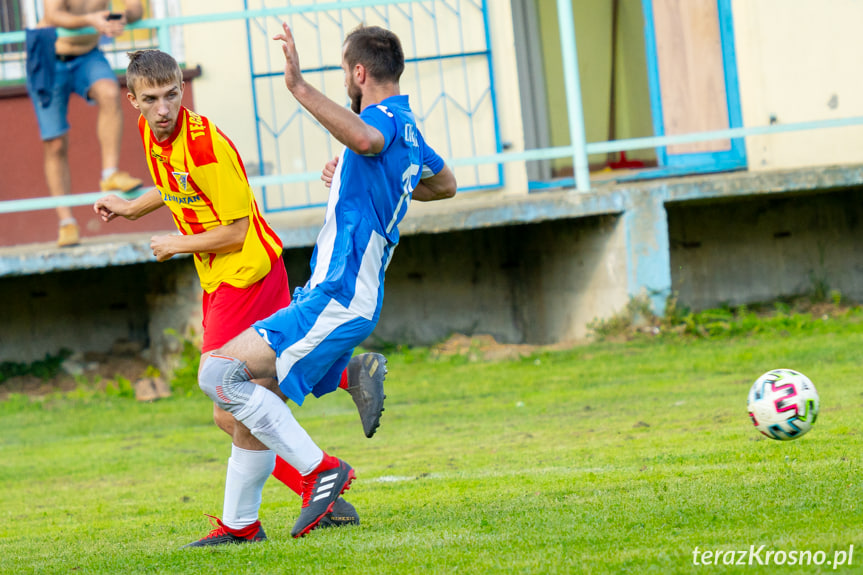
[[800, 61], [223, 92], [506, 89]]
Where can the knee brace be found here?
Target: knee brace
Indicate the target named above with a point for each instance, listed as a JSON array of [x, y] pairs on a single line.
[[226, 381]]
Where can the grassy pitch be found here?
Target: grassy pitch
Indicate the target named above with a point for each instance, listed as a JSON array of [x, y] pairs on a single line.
[[631, 457]]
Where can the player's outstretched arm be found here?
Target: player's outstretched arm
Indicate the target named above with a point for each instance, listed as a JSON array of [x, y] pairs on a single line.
[[344, 125], [440, 186], [110, 206]]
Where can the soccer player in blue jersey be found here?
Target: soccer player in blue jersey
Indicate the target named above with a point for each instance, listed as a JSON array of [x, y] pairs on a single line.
[[307, 345]]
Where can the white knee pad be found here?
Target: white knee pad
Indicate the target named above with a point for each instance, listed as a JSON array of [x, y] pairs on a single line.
[[226, 381]]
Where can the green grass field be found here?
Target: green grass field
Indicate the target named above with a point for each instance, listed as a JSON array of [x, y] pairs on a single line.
[[607, 458]]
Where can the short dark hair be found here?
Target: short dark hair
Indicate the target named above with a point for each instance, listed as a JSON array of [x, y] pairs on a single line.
[[153, 67], [378, 49]]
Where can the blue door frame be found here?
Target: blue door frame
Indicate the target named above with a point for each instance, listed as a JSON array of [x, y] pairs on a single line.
[[701, 162]]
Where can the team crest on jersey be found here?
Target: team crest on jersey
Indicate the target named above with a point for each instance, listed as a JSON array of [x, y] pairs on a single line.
[[182, 179]]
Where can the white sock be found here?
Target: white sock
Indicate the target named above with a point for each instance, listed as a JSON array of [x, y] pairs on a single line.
[[67, 221], [108, 172], [244, 485], [271, 421]]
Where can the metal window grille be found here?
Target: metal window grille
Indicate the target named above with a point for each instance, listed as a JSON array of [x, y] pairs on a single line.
[[448, 76]]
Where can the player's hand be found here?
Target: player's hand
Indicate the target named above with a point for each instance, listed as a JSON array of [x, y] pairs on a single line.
[[329, 171], [108, 207], [162, 247], [293, 77]]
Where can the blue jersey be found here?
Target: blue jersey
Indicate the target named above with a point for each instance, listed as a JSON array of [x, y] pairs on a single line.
[[339, 307], [369, 196]]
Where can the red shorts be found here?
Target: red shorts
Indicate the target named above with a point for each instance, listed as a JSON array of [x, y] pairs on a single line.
[[229, 310]]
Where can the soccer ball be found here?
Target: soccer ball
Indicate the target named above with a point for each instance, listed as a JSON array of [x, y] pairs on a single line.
[[783, 404]]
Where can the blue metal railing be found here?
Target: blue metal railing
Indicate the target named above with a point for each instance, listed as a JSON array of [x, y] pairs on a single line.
[[578, 150]]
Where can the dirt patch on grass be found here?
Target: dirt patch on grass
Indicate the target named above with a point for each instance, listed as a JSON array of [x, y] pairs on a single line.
[[92, 370], [486, 348]]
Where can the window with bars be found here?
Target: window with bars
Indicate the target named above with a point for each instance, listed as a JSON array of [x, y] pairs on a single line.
[[13, 18], [448, 76]]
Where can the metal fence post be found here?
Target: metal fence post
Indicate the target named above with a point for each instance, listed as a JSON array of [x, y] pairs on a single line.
[[161, 11], [573, 95]]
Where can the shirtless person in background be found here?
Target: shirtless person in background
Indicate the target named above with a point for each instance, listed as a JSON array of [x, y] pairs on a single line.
[[82, 68]]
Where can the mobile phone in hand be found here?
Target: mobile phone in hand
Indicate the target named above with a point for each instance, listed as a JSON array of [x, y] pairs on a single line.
[[115, 16]]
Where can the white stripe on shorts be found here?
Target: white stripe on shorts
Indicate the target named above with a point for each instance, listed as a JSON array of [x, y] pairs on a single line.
[[332, 316]]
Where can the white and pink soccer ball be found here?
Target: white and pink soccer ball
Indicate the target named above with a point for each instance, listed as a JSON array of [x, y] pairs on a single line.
[[783, 404]]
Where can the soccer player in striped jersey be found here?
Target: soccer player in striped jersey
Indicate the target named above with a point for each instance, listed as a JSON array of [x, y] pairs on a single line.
[[306, 345], [200, 176]]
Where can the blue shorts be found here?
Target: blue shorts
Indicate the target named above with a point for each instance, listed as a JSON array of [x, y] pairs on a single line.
[[77, 75], [314, 339]]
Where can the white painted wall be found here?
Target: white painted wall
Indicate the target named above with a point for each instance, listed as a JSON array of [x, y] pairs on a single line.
[[799, 61]]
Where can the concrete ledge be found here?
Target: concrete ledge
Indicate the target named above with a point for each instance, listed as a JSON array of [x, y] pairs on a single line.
[[471, 211], [822, 178], [106, 251]]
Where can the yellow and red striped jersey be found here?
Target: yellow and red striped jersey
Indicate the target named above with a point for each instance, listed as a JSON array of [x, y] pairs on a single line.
[[201, 178]]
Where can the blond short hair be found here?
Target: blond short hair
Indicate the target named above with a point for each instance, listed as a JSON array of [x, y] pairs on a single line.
[[152, 68]]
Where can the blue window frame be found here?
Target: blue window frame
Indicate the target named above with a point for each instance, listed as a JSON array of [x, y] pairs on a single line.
[[698, 162]]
